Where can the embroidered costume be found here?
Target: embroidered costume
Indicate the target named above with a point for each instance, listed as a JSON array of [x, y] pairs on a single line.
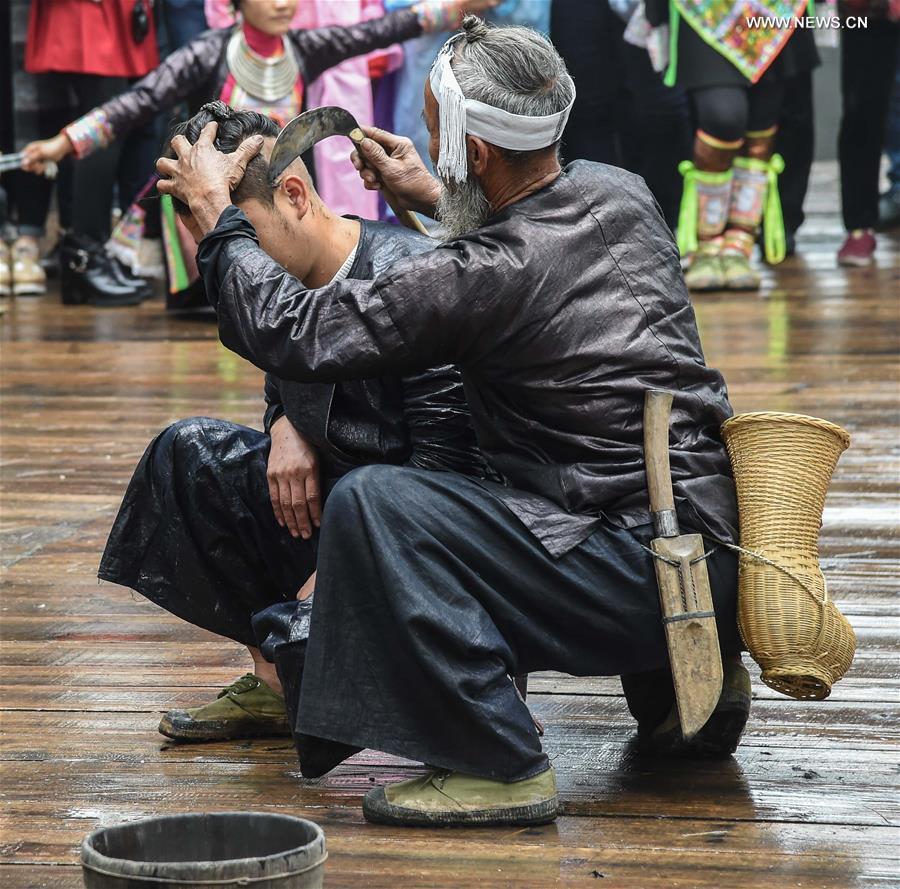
[[734, 75]]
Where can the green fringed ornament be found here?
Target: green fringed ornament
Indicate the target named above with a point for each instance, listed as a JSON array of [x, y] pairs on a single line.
[[705, 201], [755, 200], [179, 278]]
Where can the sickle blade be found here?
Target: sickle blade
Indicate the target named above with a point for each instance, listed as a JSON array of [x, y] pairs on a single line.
[[305, 131]]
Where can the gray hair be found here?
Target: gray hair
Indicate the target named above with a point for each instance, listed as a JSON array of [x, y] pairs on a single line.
[[515, 69]]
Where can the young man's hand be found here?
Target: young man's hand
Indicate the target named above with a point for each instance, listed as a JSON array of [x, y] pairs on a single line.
[[293, 476], [202, 177]]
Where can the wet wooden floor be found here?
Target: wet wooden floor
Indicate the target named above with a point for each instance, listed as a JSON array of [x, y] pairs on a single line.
[[810, 800]]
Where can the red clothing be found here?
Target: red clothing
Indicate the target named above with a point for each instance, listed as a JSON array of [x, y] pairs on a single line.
[[84, 37]]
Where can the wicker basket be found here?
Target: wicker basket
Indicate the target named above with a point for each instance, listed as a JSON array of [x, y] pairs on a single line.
[[783, 465]]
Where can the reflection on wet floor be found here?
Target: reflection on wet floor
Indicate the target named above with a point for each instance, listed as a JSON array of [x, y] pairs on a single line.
[[808, 801]]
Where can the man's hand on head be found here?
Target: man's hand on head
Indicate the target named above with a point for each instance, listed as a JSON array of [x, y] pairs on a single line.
[[203, 177]]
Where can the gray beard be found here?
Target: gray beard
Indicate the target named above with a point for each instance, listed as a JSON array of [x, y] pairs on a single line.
[[461, 208]]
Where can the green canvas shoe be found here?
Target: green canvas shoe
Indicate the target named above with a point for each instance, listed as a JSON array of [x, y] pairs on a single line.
[[720, 736], [705, 272], [738, 273], [248, 708], [449, 798]]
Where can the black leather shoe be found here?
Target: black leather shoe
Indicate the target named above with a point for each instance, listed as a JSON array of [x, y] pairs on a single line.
[[86, 276], [125, 276], [50, 260]]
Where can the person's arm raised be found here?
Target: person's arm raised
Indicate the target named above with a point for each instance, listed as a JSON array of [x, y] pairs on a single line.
[[385, 160], [176, 77], [323, 48]]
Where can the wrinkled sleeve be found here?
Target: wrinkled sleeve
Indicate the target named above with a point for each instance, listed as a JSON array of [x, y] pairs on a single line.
[[440, 427], [411, 317], [274, 405], [177, 76], [323, 48]]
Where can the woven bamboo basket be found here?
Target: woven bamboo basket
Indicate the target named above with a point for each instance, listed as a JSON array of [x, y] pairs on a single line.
[[783, 465]]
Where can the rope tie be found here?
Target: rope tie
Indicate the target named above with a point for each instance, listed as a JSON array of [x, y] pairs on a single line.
[[747, 552], [761, 558], [674, 562], [821, 603]]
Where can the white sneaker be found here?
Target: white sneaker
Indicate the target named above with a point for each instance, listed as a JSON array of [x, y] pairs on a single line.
[[151, 263], [28, 276]]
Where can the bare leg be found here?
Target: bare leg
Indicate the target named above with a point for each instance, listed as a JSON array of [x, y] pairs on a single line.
[[261, 667], [265, 671], [308, 588]]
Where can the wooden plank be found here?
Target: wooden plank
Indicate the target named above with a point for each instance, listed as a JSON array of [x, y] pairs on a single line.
[[809, 801], [875, 658], [112, 736], [598, 775], [855, 688], [447, 862]]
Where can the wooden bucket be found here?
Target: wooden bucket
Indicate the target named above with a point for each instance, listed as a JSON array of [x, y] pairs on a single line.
[[262, 850], [782, 466]]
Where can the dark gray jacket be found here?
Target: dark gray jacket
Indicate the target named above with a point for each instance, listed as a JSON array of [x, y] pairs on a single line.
[[196, 73], [419, 419], [561, 311]]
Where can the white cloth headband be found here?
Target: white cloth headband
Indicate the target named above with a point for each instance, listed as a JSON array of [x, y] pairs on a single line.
[[460, 116]]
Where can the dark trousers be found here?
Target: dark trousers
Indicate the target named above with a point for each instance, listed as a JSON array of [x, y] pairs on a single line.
[[32, 194], [184, 21], [892, 134], [868, 57], [729, 112], [623, 114], [430, 593], [795, 142], [93, 177], [196, 534]]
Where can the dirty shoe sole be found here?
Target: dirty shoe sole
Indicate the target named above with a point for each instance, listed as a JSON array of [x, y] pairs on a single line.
[[29, 289], [718, 739], [377, 809], [180, 726]]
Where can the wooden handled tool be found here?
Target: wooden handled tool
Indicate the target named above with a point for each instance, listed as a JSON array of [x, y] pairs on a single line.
[[406, 217], [684, 594], [311, 127]]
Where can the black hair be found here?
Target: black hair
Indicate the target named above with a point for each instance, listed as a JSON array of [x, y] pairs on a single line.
[[234, 128]]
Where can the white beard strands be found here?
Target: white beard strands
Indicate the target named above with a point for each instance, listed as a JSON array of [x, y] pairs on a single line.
[[462, 207]]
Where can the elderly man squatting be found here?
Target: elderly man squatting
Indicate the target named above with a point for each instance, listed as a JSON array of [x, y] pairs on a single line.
[[559, 294]]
